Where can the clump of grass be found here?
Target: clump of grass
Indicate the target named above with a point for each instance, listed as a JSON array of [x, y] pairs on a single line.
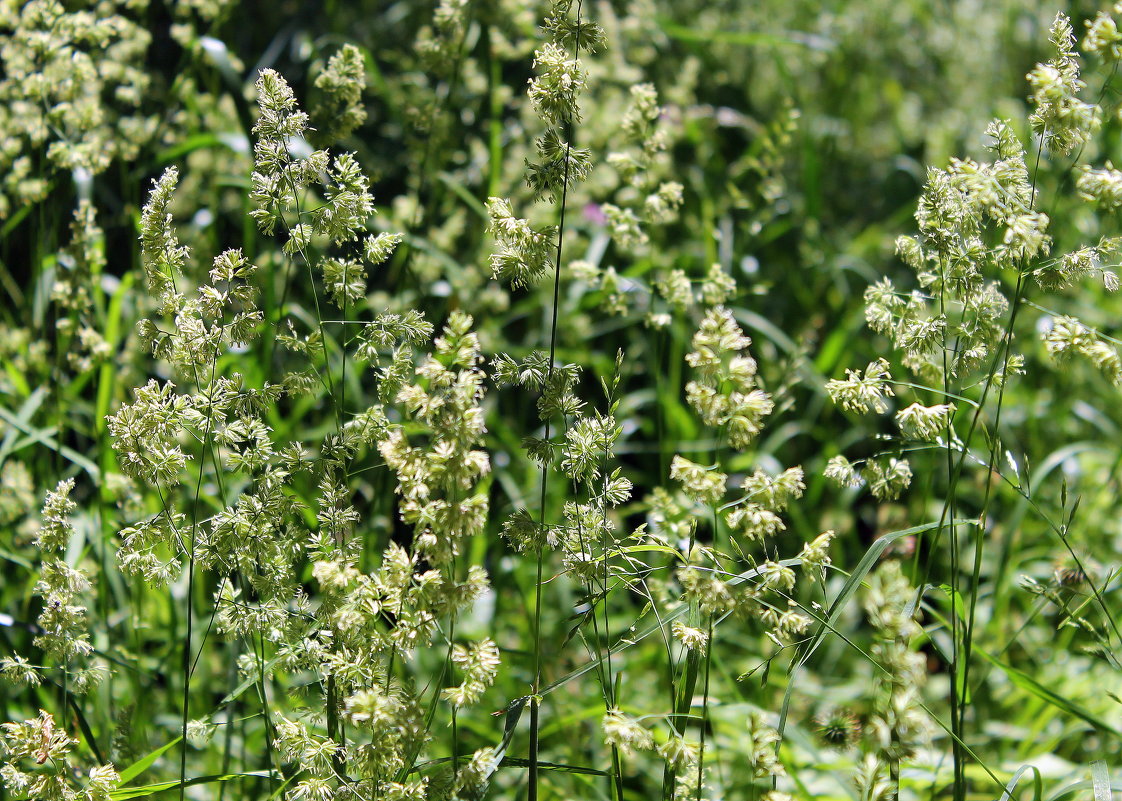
[[497, 486]]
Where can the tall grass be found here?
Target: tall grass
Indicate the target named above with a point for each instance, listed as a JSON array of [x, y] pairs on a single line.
[[557, 400]]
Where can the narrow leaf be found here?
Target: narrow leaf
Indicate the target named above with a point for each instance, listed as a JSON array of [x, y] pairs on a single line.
[[145, 762]]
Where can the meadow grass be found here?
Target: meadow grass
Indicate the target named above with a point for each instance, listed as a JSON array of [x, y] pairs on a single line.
[[559, 400]]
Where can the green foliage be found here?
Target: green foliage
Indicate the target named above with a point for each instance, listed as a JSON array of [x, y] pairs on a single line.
[[559, 400]]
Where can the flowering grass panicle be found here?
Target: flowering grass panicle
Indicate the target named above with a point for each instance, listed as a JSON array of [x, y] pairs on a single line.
[[37, 762], [339, 110], [380, 535], [1061, 118], [73, 87], [54, 777], [898, 724]]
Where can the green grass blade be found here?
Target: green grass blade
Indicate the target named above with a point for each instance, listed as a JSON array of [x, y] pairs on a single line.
[[1031, 685], [145, 762], [1037, 784], [838, 605], [1100, 779], [29, 407], [45, 437], [146, 790]]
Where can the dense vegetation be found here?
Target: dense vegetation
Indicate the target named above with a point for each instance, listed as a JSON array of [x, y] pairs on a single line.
[[577, 399]]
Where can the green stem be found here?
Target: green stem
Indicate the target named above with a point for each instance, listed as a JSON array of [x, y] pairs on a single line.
[[704, 710], [534, 701]]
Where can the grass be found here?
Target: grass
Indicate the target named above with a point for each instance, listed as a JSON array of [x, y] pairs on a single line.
[[318, 683]]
